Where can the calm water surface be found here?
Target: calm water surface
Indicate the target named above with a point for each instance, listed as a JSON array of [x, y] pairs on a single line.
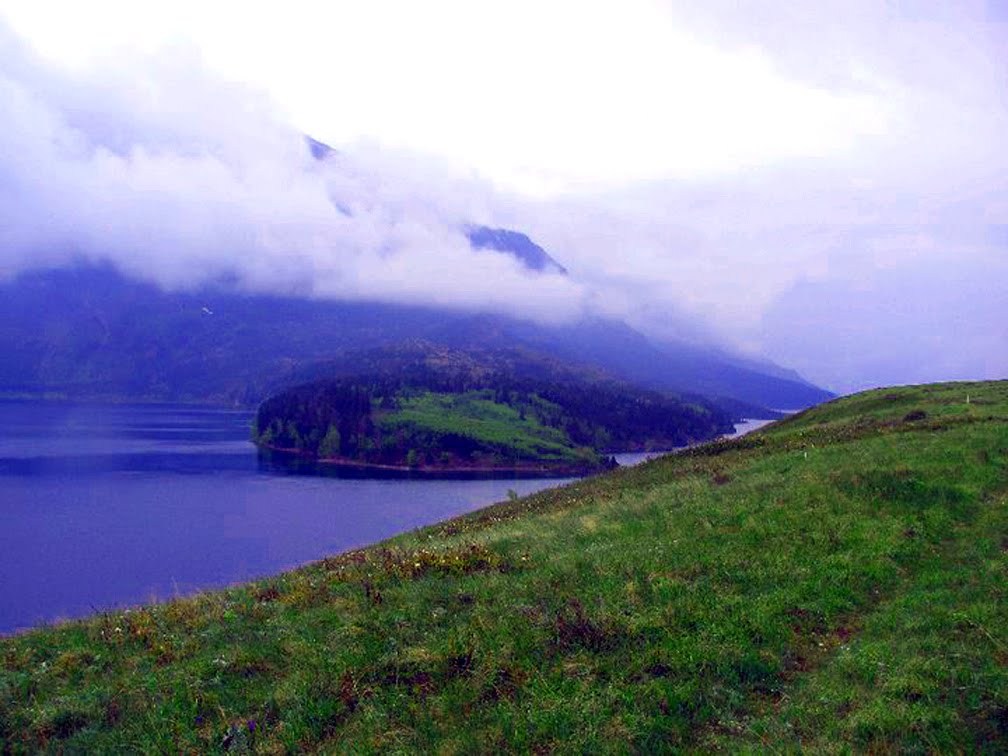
[[107, 506]]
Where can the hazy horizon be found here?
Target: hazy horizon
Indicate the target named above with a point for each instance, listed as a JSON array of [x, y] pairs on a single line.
[[824, 186]]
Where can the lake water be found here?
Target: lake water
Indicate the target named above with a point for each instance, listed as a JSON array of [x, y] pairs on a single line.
[[104, 506], [741, 428]]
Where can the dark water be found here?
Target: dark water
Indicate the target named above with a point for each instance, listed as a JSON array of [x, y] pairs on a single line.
[[107, 506]]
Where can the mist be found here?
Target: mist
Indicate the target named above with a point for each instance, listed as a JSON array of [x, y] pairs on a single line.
[[181, 179], [885, 261], [875, 256]]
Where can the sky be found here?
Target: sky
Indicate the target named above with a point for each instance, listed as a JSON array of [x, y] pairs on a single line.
[[822, 184]]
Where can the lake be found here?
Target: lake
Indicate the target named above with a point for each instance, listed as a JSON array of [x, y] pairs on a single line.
[[741, 428], [105, 506]]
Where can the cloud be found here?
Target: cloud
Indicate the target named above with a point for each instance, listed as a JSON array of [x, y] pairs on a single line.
[[878, 263], [547, 97], [176, 177], [852, 275], [908, 323], [870, 250]]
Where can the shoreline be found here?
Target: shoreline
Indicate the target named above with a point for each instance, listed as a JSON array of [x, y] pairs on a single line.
[[530, 470]]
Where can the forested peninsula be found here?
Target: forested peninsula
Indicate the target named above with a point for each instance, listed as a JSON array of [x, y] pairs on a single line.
[[431, 409]]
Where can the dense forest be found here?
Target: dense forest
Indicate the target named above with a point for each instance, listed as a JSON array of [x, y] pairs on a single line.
[[425, 407]]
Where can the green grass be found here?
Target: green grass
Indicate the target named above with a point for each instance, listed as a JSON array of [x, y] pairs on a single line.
[[476, 416], [835, 583]]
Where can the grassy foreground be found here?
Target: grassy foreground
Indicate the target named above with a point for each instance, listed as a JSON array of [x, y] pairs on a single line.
[[837, 582]]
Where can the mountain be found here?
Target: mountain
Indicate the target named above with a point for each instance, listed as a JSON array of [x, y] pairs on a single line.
[[319, 150], [516, 244], [91, 332], [618, 348]]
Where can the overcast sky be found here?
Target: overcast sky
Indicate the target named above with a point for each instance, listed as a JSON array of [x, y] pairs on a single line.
[[820, 183]]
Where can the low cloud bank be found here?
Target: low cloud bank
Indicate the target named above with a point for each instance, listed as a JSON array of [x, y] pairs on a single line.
[[175, 177], [887, 263]]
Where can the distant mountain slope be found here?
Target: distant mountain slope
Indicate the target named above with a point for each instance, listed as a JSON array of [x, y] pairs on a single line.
[[92, 332], [623, 351], [319, 150], [531, 255]]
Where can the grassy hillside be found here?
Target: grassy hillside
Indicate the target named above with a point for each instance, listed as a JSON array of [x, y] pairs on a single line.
[[490, 424], [836, 582]]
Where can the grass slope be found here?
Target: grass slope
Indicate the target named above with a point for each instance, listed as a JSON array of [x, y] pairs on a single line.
[[493, 426], [836, 582]]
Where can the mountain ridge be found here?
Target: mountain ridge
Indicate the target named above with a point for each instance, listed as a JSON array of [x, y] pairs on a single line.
[[92, 332]]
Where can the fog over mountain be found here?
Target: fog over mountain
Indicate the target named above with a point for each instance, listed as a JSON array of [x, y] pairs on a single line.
[[875, 256], [180, 179]]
